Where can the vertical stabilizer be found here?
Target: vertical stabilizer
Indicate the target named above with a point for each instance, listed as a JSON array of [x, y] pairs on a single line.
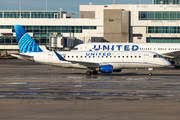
[[25, 42]]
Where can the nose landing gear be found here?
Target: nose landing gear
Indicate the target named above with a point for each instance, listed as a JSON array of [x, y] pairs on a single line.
[[150, 69]]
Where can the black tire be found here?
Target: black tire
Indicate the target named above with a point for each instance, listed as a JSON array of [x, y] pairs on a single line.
[[88, 73], [176, 67], [95, 72], [150, 74]]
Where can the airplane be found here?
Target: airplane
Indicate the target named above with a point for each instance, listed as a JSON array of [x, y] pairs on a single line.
[[170, 51], [104, 61]]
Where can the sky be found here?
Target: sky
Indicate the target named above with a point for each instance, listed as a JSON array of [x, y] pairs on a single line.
[[71, 6]]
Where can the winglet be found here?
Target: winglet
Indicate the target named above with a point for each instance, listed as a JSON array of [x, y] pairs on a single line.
[[59, 56]]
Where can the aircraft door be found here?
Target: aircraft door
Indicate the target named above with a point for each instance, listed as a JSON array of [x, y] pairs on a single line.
[[50, 58], [146, 58]]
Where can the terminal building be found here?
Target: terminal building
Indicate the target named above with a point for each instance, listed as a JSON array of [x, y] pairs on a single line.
[[158, 22]]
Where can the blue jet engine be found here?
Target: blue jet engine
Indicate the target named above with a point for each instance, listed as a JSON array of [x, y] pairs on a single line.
[[106, 68]]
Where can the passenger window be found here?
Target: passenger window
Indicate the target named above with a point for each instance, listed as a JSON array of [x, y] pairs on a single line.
[[155, 56], [114, 56], [135, 56], [127, 56], [76, 56], [131, 56], [122, 56], [102, 56], [139, 56], [81, 56], [89, 56], [72, 56], [106, 56], [68, 56], [118, 56], [93, 56], [85, 56], [110, 56]]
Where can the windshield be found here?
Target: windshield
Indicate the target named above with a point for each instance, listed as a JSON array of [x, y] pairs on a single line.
[[157, 56], [75, 49]]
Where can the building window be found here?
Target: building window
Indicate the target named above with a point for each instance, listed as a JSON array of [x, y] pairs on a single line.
[[164, 29], [166, 1], [159, 15]]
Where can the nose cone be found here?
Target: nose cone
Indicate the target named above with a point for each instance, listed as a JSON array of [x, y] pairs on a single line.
[[167, 63]]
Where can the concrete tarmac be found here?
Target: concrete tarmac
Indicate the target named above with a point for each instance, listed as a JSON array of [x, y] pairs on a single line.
[[31, 91]]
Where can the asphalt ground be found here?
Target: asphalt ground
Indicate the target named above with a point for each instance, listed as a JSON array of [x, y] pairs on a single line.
[[31, 91]]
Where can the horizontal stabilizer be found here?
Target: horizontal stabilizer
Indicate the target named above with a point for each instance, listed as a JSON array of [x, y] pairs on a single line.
[[23, 57]]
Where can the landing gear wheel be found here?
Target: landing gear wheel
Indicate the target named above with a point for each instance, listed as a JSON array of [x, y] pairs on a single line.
[[88, 73], [176, 67], [94, 72], [150, 74]]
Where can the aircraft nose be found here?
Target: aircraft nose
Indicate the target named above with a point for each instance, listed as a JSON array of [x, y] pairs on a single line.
[[167, 63]]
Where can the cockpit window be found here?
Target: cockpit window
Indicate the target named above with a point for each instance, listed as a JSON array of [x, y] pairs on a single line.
[[75, 48], [157, 56]]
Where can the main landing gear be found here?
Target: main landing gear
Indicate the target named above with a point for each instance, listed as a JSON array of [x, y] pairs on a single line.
[[176, 67], [94, 72]]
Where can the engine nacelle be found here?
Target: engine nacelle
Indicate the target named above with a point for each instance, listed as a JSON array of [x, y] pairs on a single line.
[[106, 68], [119, 70]]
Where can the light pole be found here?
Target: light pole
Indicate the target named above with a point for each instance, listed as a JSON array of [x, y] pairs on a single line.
[[46, 5], [20, 9]]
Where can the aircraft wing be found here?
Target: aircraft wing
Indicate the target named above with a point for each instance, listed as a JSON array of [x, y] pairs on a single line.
[[21, 56], [175, 54], [87, 64]]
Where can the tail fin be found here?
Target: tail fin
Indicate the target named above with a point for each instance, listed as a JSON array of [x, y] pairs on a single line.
[[25, 42]]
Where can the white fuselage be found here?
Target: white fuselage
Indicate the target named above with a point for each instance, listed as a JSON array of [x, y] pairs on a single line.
[[118, 60], [160, 48]]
